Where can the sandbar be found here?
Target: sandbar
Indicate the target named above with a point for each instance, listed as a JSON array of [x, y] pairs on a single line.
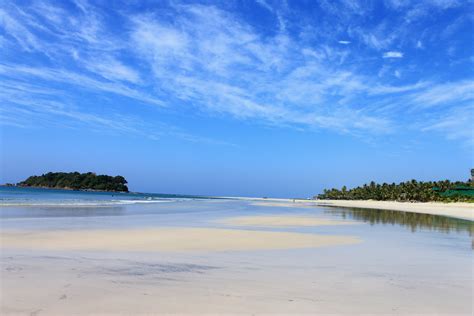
[[168, 239]]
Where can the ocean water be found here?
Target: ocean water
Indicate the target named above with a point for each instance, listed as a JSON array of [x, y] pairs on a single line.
[[406, 263], [18, 196]]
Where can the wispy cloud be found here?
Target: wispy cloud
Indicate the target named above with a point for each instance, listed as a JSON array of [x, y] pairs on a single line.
[[74, 79], [210, 59], [455, 125], [207, 60], [264, 4], [445, 94], [26, 39], [27, 106], [111, 68], [392, 54]]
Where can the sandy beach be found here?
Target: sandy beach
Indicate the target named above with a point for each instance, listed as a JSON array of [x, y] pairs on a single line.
[[455, 209], [228, 257], [299, 282]]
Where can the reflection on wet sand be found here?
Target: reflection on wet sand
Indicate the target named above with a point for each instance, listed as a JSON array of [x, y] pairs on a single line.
[[413, 221]]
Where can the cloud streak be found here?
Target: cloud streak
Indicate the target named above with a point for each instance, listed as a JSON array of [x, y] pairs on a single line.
[[393, 54]]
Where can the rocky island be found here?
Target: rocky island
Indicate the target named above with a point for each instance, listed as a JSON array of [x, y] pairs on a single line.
[[76, 181]]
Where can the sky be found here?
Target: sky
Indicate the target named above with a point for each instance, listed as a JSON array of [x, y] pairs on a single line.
[[243, 98]]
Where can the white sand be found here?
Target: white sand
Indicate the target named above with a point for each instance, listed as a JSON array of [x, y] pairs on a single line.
[[168, 239], [457, 210], [282, 221], [326, 281]]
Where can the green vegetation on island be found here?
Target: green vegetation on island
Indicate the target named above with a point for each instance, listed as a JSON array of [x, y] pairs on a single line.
[[77, 181], [413, 190]]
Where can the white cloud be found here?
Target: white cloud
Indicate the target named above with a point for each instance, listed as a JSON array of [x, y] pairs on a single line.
[[211, 61], [111, 68], [27, 106], [390, 89], [74, 79], [379, 37], [455, 125], [264, 4], [14, 28], [393, 54], [445, 93]]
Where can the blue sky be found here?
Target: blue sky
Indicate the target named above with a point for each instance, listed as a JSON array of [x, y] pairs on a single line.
[[257, 98]]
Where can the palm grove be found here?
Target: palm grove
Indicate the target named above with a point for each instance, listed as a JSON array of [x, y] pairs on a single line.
[[405, 191]]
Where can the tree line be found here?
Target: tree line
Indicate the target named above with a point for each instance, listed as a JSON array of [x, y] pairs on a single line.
[[405, 191], [77, 181]]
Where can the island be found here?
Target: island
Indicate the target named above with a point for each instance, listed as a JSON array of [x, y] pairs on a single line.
[[77, 181]]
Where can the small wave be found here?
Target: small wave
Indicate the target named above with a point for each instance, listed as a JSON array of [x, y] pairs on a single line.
[[83, 203]]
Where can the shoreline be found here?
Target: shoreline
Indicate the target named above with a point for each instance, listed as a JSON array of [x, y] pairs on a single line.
[[460, 210]]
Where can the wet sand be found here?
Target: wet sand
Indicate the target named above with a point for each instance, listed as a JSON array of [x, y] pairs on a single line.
[[282, 221]]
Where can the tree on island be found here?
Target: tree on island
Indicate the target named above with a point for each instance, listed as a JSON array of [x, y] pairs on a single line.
[[77, 181]]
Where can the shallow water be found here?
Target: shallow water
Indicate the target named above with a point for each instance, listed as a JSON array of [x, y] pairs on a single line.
[[406, 263]]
